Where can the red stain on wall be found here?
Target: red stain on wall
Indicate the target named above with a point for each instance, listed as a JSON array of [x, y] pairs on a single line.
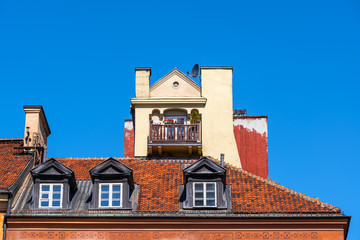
[[129, 138], [253, 148]]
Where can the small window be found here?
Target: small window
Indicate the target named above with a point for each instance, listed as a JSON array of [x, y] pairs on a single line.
[[50, 195], [176, 84], [110, 195], [205, 194]]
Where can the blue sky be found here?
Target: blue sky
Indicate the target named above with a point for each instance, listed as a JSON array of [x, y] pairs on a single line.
[[295, 61]]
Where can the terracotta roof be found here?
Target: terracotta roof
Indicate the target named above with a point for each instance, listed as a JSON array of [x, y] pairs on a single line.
[[12, 161], [159, 181]]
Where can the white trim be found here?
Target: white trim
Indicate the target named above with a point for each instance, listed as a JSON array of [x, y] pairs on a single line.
[[50, 195], [110, 194], [204, 190]]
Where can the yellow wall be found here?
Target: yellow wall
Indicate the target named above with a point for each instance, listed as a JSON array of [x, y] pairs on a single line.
[[214, 106], [166, 88], [2, 225], [217, 118]]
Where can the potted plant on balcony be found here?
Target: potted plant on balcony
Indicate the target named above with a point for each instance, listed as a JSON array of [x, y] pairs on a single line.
[[194, 117]]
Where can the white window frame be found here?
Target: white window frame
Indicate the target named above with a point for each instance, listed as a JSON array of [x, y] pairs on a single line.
[[50, 194], [111, 195], [204, 194]]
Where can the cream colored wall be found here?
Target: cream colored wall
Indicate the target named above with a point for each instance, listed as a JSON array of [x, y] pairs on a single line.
[[33, 120], [142, 123], [217, 117], [216, 110], [166, 89], [142, 81]]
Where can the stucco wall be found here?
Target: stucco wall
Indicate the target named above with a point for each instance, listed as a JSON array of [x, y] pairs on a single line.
[[167, 89], [251, 139], [217, 117]]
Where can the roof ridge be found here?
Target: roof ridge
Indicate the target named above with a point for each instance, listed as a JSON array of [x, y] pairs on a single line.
[[275, 184], [10, 139]]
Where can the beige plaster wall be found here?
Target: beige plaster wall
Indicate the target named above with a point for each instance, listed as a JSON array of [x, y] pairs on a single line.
[[167, 89], [142, 82], [216, 110], [217, 117], [33, 119]]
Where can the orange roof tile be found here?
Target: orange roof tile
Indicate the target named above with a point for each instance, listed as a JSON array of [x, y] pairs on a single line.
[[159, 181], [12, 161]]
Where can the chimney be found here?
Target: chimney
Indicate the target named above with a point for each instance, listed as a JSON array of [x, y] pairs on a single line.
[[142, 82], [36, 127], [222, 158]]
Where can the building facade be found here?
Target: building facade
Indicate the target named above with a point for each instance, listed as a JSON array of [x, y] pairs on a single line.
[[193, 169]]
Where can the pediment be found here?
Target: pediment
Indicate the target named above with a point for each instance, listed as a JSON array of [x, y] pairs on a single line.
[[166, 87], [204, 166], [110, 167], [52, 167], [54, 170]]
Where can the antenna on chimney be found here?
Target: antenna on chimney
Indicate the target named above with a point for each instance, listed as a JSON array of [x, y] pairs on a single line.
[[222, 159]]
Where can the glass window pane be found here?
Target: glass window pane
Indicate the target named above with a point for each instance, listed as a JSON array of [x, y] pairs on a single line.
[[56, 196], [210, 186], [104, 203], [44, 203], [199, 203], [45, 195], [116, 188], [104, 188], [210, 194], [45, 188], [210, 203], [57, 188], [116, 203], [105, 196], [56, 203], [116, 195], [199, 195], [198, 186]]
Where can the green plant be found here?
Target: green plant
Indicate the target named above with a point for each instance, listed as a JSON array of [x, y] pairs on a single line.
[[194, 117]]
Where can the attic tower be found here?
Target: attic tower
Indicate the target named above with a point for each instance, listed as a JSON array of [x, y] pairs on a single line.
[[177, 117]]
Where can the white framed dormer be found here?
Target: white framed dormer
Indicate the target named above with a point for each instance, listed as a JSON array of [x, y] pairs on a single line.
[[110, 195], [51, 195], [204, 194]]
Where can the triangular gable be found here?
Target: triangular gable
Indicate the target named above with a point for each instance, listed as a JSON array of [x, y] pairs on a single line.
[[111, 169], [204, 166], [52, 167], [164, 87], [54, 170]]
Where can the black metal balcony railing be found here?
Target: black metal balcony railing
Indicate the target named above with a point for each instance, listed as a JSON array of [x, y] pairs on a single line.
[[175, 133]]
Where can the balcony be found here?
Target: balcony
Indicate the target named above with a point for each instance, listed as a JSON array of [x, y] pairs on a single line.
[[175, 139]]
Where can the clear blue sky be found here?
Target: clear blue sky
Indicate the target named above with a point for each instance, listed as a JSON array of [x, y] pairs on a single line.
[[295, 61]]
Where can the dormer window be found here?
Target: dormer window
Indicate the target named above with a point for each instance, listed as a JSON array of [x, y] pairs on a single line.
[[205, 187], [113, 186], [54, 186], [204, 194], [110, 195], [50, 195]]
